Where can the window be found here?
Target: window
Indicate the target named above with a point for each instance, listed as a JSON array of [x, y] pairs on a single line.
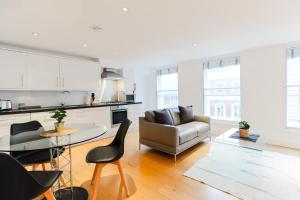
[[220, 110], [235, 108], [222, 89], [293, 87], [220, 84], [167, 88]]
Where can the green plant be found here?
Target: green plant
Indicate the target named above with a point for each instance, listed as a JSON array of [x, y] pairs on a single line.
[[244, 125], [59, 114]]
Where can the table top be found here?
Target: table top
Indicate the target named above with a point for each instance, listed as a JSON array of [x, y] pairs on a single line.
[[33, 141], [225, 138]]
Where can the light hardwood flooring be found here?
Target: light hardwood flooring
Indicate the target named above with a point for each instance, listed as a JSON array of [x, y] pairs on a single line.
[[150, 175]]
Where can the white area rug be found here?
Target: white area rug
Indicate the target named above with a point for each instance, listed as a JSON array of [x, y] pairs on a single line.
[[249, 174]]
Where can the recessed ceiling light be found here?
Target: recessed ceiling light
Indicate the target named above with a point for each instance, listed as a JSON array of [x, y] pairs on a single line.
[[195, 44], [97, 28], [125, 9], [84, 45], [35, 34]]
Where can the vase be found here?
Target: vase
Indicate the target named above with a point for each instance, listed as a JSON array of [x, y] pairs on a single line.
[[244, 133], [59, 127]]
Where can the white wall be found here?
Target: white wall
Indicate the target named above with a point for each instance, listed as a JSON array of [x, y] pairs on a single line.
[[262, 93], [190, 85], [263, 96]]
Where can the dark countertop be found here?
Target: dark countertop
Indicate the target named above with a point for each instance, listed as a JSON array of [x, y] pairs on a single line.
[[67, 107]]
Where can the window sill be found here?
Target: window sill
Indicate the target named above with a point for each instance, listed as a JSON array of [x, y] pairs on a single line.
[[292, 129], [225, 122]]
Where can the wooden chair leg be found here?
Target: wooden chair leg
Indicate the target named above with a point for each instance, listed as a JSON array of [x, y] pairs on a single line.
[[43, 166], [94, 174], [123, 180], [49, 195], [34, 167], [97, 181]]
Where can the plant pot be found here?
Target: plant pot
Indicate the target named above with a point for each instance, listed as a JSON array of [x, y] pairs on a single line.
[[244, 133], [59, 127]]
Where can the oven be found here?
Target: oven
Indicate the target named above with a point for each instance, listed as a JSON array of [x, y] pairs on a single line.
[[118, 114]]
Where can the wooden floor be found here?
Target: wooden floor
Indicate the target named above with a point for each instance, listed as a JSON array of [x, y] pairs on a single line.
[[151, 175]]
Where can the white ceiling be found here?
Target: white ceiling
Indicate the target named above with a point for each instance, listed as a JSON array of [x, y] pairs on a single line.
[[152, 32]]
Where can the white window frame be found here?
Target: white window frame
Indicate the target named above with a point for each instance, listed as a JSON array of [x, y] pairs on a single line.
[[233, 108], [221, 88], [287, 86], [223, 106], [173, 69]]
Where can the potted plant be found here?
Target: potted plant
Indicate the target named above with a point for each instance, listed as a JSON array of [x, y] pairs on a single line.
[[59, 114], [244, 127]]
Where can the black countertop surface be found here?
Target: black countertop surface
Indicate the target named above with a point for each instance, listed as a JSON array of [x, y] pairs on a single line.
[[67, 107]]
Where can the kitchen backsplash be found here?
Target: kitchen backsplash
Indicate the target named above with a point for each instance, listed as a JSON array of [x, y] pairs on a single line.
[[53, 98]]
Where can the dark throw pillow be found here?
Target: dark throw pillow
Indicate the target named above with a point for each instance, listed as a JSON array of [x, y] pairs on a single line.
[[163, 117], [186, 114]]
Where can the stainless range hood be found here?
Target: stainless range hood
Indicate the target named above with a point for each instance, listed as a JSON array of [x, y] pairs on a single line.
[[111, 74]]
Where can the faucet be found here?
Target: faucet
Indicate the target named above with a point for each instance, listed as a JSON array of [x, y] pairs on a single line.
[[63, 101]]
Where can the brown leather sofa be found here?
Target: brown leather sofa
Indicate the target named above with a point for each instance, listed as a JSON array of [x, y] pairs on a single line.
[[172, 139]]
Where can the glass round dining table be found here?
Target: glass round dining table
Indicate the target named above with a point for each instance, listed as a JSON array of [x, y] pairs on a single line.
[[57, 145]]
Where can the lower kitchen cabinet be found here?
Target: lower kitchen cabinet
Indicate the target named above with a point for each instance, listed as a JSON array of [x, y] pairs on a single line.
[[44, 118], [134, 112], [7, 120], [100, 116]]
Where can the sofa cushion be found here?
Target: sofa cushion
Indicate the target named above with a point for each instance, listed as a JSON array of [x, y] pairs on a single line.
[[191, 130], [186, 134], [186, 114], [149, 116], [175, 116], [163, 117]]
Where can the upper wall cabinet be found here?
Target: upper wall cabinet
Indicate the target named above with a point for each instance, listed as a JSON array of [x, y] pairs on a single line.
[[43, 73], [79, 75], [29, 71], [13, 70]]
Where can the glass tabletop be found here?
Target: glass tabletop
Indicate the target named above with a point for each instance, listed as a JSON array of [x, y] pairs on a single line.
[[33, 141]]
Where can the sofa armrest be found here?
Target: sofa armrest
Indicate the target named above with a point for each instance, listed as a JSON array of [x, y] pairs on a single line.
[[202, 118], [159, 133]]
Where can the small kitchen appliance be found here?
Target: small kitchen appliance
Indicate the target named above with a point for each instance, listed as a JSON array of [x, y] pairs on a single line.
[[5, 105], [130, 97]]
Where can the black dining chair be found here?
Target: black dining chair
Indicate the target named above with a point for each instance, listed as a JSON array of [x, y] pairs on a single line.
[[111, 153], [19, 184], [29, 131]]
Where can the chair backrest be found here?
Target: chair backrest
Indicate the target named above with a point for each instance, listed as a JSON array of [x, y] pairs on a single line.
[[23, 132], [15, 181], [120, 137]]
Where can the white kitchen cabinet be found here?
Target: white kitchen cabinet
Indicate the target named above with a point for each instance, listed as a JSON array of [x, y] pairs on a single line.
[[13, 70], [31, 71], [43, 72], [7, 120], [134, 112], [99, 116], [44, 118], [79, 75]]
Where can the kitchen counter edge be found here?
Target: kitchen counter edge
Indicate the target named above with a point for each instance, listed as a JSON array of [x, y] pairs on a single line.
[[47, 109]]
